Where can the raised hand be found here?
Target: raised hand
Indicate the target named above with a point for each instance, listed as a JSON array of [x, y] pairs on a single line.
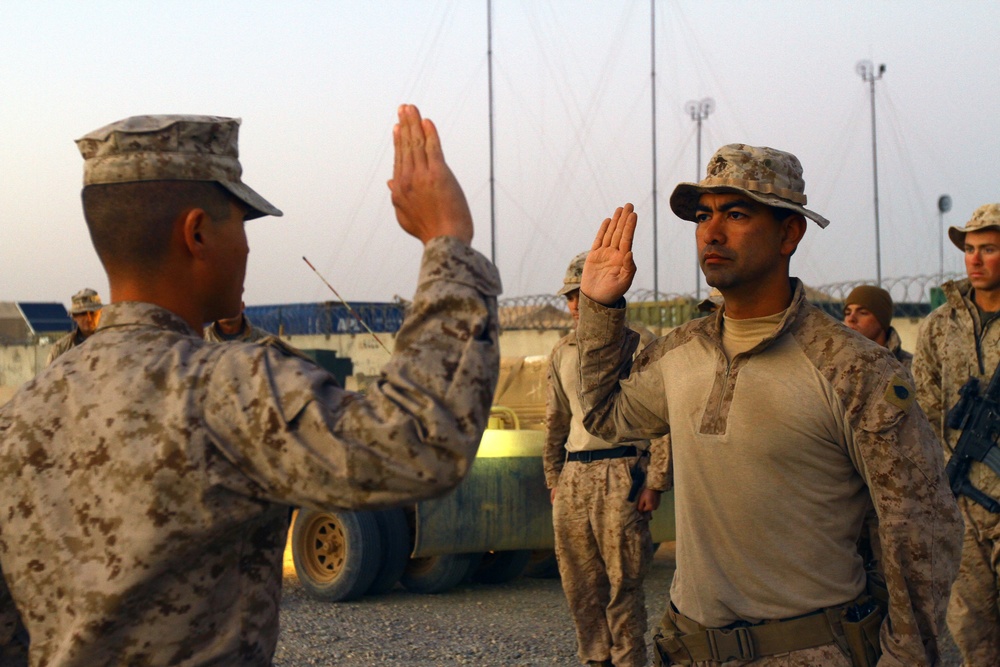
[[609, 269], [428, 200]]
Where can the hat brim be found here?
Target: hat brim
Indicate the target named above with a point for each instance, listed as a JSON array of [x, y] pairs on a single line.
[[567, 288], [685, 197], [957, 234], [87, 309], [259, 207]]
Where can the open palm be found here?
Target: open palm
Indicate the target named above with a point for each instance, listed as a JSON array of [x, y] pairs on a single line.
[[609, 270]]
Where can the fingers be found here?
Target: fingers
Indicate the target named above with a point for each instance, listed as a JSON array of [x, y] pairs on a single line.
[[617, 231], [599, 239], [397, 159], [409, 141], [624, 218], [432, 142]]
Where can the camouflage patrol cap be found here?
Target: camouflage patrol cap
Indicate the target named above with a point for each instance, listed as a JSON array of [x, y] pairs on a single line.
[[170, 148], [986, 216], [573, 274], [766, 175], [85, 301]]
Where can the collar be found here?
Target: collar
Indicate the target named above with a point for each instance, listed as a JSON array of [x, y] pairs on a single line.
[[712, 327], [136, 313]]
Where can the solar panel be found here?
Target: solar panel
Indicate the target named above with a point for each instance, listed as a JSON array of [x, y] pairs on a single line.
[[46, 316]]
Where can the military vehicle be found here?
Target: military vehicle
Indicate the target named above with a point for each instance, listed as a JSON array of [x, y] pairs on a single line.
[[494, 526]]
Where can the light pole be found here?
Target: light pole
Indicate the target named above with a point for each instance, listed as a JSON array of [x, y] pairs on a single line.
[[866, 69], [699, 111], [944, 205]]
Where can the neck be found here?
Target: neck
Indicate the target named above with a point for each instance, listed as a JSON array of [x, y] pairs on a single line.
[[758, 300], [166, 297], [988, 300]]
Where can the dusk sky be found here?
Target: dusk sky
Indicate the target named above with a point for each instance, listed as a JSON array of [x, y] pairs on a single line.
[[317, 85]]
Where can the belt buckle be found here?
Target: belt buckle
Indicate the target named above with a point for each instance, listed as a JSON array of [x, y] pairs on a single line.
[[586, 456], [731, 644]]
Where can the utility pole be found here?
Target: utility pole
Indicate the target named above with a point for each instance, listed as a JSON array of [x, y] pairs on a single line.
[[652, 76], [699, 111], [489, 67], [866, 69]]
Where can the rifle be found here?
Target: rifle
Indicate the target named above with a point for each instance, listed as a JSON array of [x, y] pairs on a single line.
[[978, 417]]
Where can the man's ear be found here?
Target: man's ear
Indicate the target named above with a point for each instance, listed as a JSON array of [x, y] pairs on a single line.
[[794, 230], [194, 224]]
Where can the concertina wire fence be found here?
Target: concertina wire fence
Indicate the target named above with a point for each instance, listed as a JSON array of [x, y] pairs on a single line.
[[913, 297]]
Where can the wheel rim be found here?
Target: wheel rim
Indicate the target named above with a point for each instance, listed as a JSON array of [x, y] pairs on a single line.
[[325, 548]]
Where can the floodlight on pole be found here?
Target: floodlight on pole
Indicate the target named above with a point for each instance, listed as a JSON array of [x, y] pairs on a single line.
[[944, 205], [699, 111], [866, 69]]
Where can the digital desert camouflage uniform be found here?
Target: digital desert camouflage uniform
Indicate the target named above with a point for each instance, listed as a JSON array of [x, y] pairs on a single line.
[[146, 476], [174, 518], [248, 334], [746, 509], [895, 345], [952, 346], [603, 543]]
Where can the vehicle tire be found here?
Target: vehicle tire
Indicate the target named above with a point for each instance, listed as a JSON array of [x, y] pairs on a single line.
[[394, 532], [499, 567], [336, 554], [542, 565], [436, 574]]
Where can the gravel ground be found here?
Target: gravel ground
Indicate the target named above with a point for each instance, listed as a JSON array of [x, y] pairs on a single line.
[[524, 622]]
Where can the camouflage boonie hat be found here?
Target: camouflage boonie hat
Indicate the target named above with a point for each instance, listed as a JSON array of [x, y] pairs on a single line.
[[766, 175], [986, 216], [85, 301], [573, 274], [170, 148]]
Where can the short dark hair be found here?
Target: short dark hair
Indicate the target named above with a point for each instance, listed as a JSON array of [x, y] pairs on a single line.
[[130, 223], [781, 213]]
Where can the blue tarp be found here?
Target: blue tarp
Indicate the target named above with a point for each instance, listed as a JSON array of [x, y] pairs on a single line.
[[329, 317]]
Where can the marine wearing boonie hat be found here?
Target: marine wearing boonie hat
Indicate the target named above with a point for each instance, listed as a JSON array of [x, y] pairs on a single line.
[[986, 216], [766, 175], [170, 148], [574, 273], [85, 301]]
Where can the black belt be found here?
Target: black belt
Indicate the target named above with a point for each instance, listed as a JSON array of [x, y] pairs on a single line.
[[600, 454]]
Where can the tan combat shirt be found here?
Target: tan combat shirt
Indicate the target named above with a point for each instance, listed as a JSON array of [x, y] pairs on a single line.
[[146, 477], [564, 431], [777, 456]]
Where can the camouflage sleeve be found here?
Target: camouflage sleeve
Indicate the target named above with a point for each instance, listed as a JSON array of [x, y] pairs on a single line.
[[13, 637], [660, 475], [614, 405], [919, 526], [303, 441], [558, 415], [926, 371]]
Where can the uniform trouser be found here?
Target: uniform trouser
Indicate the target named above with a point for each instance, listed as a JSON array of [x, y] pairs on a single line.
[[604, 551], [973, 616]]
